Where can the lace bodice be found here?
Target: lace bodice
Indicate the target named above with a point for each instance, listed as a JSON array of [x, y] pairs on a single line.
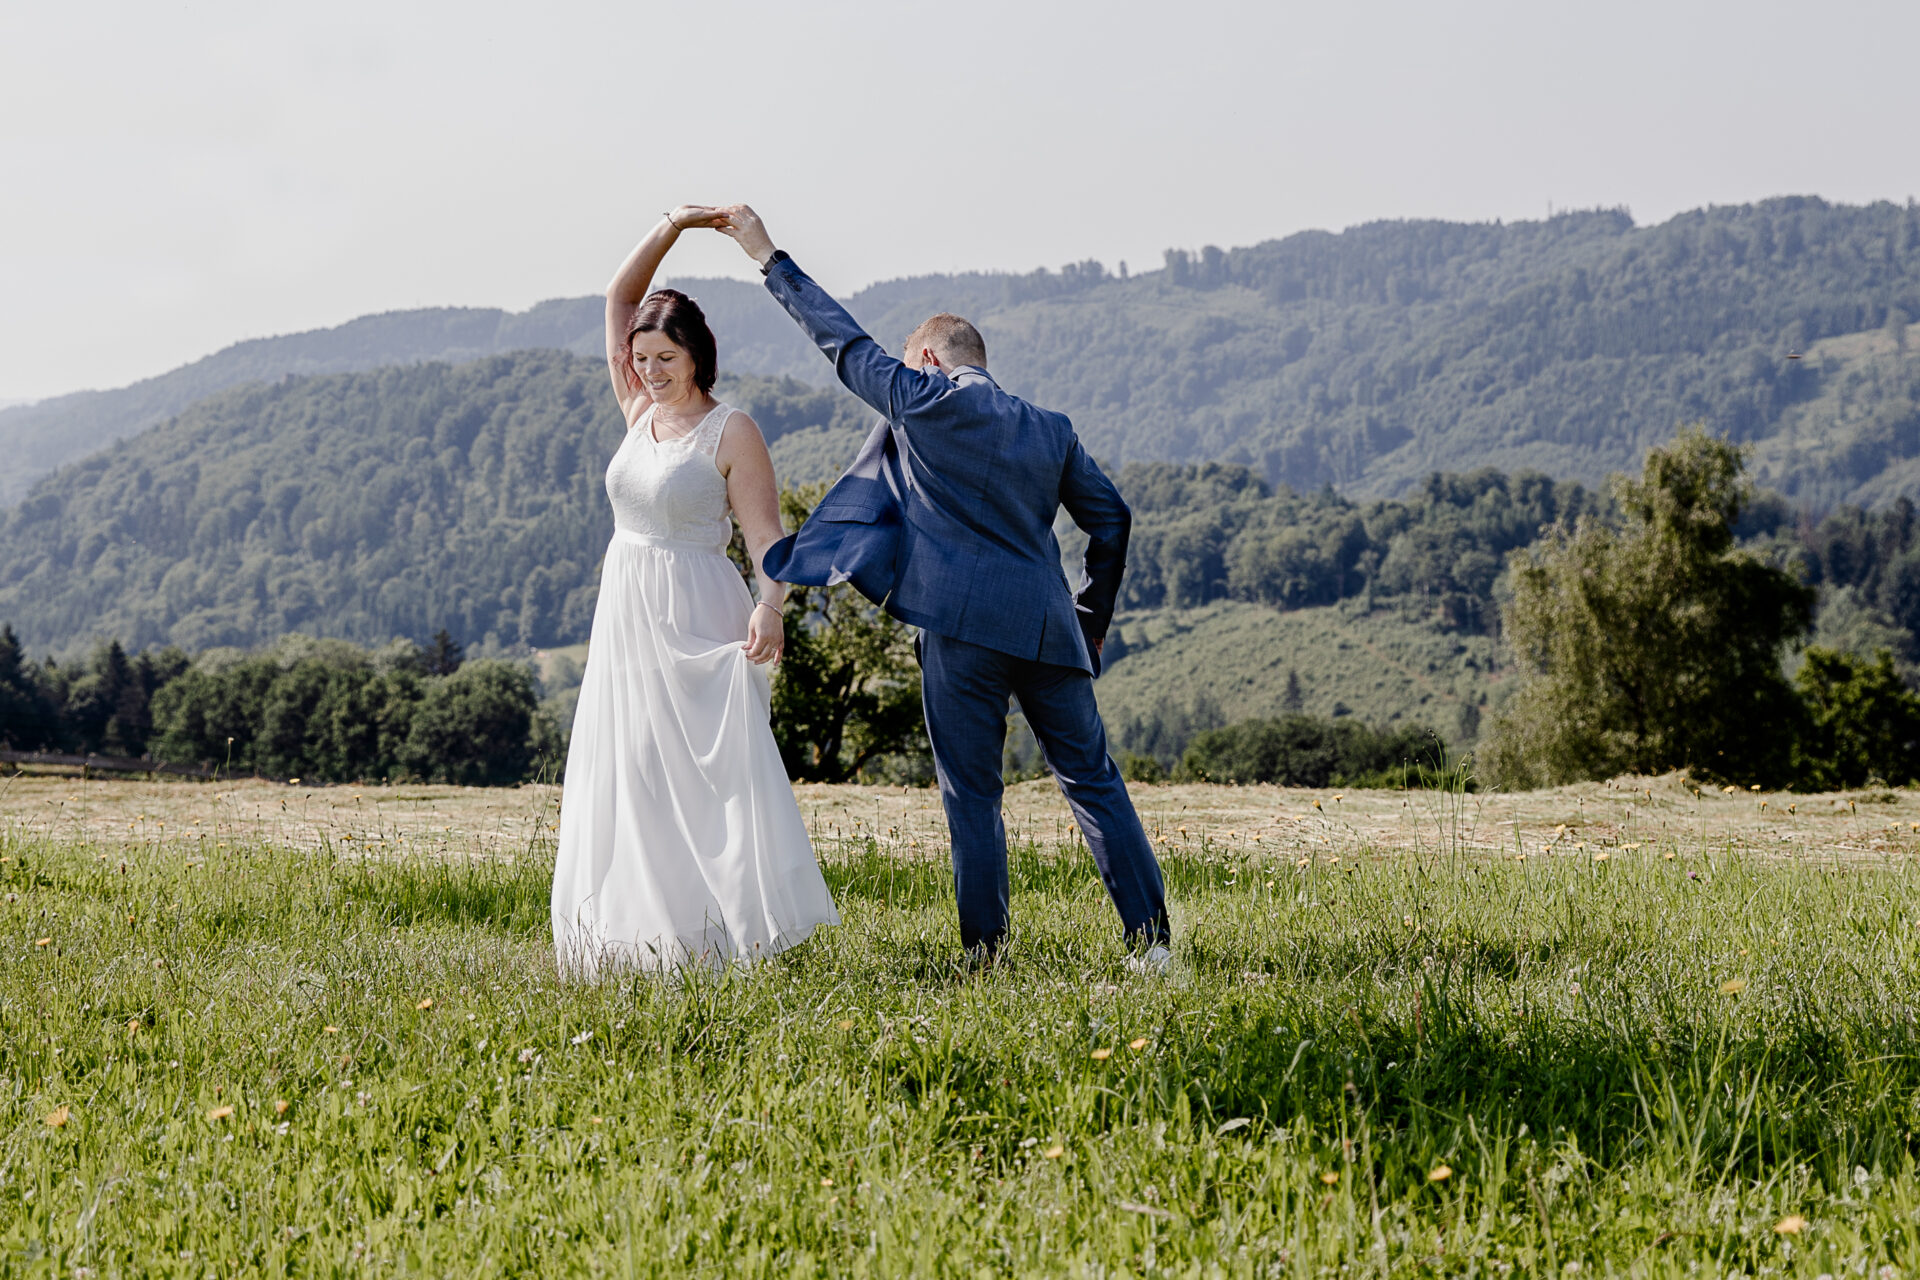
[[671, 489]]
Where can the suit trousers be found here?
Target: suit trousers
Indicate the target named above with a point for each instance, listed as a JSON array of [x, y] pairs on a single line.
[[965, 688]]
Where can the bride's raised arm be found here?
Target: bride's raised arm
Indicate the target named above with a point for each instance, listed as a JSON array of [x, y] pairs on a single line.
[[628, 290]]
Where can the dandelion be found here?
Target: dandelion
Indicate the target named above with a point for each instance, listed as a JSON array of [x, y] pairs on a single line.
[[826, 1182], [219, 1113], [1101, 1055], [330, 1030], [845, 1024], [280, 1106], [1330, 1177], [1440, 1173], [1791, 1225], [1137, 1045], [425, 1004], [57, 1118], [1316, 804], [43, 942], [1054, 1152], [133, 1025], [1407, 921], [1602, 856], [1733, 986]]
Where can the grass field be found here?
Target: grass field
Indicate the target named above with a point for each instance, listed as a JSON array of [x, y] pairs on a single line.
[[1664, 1041]]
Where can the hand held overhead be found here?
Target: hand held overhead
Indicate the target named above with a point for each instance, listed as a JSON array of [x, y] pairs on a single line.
[[741, 224]]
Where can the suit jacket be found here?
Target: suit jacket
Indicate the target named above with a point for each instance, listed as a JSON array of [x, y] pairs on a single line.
[[950, 505]]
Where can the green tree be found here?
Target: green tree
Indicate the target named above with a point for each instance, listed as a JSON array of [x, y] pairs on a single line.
[[27, 720], [474, 727], [1862, 722], [1653, 646]]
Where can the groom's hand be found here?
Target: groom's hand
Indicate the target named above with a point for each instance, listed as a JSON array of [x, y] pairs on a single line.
[[744, 225]]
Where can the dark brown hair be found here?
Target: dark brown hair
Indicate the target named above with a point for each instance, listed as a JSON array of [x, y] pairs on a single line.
[[673, 313]]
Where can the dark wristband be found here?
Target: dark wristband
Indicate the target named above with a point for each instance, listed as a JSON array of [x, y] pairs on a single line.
[[778, 256]]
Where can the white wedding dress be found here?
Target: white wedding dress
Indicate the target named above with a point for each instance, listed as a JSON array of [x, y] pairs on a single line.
[[680, 840]]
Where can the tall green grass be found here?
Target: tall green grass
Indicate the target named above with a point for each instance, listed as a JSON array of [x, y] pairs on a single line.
[[1386, 1065]]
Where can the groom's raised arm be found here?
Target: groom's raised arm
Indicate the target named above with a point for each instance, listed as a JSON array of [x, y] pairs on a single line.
[[868, 371], [886, 384]]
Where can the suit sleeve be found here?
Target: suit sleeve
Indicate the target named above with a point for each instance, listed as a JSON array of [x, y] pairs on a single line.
[[888, 386], [1096, 506]]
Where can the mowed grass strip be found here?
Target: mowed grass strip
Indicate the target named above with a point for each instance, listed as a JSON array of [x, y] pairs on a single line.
[[258, 1060]]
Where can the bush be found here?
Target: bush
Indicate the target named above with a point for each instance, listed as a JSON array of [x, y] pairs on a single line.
[[473, 727], [1304, 751], [1862, 723]]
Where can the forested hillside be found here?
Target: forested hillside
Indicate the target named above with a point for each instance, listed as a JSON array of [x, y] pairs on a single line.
[[37, 438], [1371, 358], [1365, 359], [361, 506]]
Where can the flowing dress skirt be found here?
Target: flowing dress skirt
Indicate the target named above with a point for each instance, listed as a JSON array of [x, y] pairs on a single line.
[[680, 839]]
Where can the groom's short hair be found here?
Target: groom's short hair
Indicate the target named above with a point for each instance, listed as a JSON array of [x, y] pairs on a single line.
[[954, 340]]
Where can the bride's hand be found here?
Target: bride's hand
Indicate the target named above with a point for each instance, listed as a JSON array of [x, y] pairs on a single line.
[[688, 216], [766, 634]]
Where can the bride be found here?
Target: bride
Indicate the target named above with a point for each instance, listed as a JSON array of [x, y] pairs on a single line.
[[680, 840]]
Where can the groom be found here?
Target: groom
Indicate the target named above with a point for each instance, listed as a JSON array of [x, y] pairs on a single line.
[[946, 519]]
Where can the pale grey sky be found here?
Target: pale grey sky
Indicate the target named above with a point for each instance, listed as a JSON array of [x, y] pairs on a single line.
[[175, 177]]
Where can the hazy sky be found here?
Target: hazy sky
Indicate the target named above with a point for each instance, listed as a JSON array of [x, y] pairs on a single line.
[[175, 177]]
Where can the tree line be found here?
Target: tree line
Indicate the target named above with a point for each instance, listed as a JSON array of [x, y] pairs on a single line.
[[1660, 626], [319, 710]]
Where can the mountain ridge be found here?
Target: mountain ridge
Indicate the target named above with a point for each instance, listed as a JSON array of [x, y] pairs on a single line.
[[1362, 359]]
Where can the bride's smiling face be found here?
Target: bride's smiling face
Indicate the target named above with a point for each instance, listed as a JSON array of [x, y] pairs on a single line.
[[663, 366]]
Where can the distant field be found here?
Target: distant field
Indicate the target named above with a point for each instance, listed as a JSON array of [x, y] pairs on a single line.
[[1676, 1037], [1379, 667], [1277, 823]]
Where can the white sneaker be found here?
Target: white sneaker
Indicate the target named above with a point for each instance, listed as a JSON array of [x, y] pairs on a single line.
[[1153, 964]]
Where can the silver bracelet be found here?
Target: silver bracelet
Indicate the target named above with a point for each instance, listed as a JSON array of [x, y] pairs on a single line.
[[770, 605]]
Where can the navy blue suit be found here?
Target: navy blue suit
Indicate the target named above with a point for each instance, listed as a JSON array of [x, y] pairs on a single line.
[[945, 519]]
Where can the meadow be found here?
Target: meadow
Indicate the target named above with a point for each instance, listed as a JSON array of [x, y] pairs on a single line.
[[1624, 1028]]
